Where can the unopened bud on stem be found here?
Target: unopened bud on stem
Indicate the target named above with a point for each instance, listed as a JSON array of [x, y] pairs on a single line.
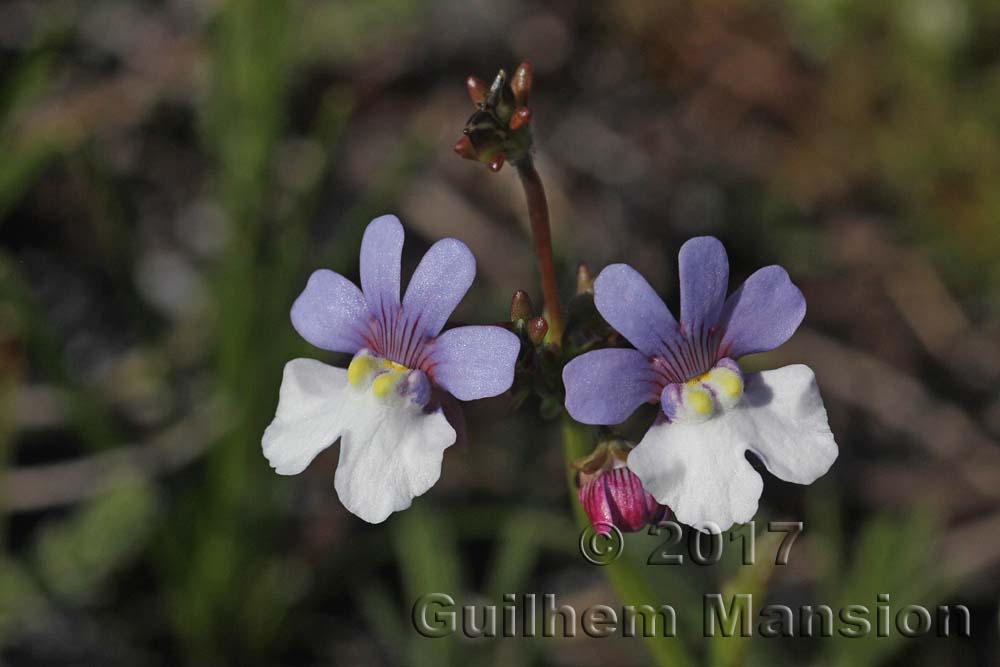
[[521, 308], [477, 89], [611, 494], [521, 82], [521, 117], [584, 281], [537, 328], [464, 148]]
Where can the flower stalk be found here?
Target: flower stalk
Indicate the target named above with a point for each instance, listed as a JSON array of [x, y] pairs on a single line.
[[538, 214], [499, 131]]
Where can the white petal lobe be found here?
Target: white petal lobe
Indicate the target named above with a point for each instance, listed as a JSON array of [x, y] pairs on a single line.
[[390, 449], [786, 424], [308, 417], [390, 452], [700, 470]]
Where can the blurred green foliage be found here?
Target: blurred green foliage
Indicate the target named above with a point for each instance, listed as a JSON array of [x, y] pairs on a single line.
[[918, 105], [75, 557]]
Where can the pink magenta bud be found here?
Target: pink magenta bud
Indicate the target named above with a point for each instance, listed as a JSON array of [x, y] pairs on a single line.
[[612, 495]]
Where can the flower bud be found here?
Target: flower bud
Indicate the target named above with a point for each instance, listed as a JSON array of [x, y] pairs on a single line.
[[521, 308], [521, 117], [521, 82], [537, 328], [584, 281], [612, 495], [477, 89], [464, 148], [496, 162]]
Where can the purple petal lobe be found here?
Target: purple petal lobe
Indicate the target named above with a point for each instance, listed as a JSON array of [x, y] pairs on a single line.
[[632, 307], [672, 400], [474, 362], [606, 386], [704, 274], [331, 313], [381, 254], [441, 280], [417, 387], [762, 314]]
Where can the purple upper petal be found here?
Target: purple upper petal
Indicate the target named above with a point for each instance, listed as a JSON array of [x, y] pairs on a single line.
[[630, 305], [762, 314], [704, 275], [442, 278], [331, 313], [381, 254], [606, 386], [474, 362]]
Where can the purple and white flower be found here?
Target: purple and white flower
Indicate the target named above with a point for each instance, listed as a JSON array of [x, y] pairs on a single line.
[[392, 434], [692, 459]]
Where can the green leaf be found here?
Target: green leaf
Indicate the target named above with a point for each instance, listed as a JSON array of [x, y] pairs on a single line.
[[429, 562], [76, 556]]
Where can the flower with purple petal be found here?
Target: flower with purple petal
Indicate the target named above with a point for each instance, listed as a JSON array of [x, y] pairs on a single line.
[[612, 495], [392, 435], [692, 459]]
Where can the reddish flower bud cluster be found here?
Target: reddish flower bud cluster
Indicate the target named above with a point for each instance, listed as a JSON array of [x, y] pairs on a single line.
[[523, 318], [498, 131]]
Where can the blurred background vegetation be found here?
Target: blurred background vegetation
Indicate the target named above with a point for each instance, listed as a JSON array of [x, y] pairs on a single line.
[[172, 170]]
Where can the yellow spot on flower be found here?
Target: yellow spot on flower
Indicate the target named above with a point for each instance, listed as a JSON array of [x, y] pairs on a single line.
[[359, 369], [728, 382], [389, 373], [385, 383], [700, 401], [696, 381]]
